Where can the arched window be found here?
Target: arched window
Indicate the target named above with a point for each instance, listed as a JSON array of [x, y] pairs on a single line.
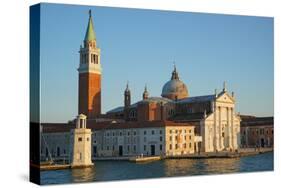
[[132, 114], [96, 59], [58, 151]]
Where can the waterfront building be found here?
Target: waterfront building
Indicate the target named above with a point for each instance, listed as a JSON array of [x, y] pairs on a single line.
[[213, 115], [112, 139], [257, 131]]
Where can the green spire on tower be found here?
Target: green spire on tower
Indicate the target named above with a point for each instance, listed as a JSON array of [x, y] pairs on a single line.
[[90, 34]]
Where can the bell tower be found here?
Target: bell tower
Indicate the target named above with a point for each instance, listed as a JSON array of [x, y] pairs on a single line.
[[127, 101], [89, 102], [145, 93], [127, 96]]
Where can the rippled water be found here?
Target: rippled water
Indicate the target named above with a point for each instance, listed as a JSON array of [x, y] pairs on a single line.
[[124, 170]]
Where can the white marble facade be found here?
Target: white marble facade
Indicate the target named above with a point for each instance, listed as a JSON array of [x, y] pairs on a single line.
[[220, 129]]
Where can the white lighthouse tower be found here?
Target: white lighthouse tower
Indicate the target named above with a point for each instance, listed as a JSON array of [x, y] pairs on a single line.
[[81, 144]]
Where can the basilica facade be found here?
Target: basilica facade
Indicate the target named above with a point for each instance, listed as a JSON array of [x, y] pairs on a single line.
[[171, 124]]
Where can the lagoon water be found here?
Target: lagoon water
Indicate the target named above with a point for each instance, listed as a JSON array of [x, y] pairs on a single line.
[[124, 170]]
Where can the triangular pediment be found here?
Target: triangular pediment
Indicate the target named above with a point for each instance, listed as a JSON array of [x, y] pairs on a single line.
[[225, 97]]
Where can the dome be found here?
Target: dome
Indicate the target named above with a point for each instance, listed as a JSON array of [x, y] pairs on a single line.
[[174, 88]]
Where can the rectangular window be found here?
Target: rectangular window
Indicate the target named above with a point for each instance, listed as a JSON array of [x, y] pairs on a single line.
[[58, 152], [128, 147], [171, 131], [80, 123], [144, 132], [160, 147], [190, 145], [184, 145], [160, 138], [160, 132], [176, 146], [135, 133], [144, 147], [88, 139], [135, 148], [171, 147], [80, 139], [152, 132], [171, 138]]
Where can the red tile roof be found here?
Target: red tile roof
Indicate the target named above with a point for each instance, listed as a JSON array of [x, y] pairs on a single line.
[[257, 121], [64, 127]]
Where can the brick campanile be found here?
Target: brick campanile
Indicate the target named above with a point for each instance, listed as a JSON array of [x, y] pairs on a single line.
[[89, 102]]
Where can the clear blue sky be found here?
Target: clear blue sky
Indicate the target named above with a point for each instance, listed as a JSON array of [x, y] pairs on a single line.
[[140, 46]]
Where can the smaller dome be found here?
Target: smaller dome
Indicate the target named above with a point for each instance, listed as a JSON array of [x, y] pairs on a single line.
[[175, 88]]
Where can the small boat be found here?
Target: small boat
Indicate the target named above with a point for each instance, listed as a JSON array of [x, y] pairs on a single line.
[[138, 159]]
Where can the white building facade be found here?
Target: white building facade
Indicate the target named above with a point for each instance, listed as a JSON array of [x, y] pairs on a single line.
[[220, 129], [157, 138]]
